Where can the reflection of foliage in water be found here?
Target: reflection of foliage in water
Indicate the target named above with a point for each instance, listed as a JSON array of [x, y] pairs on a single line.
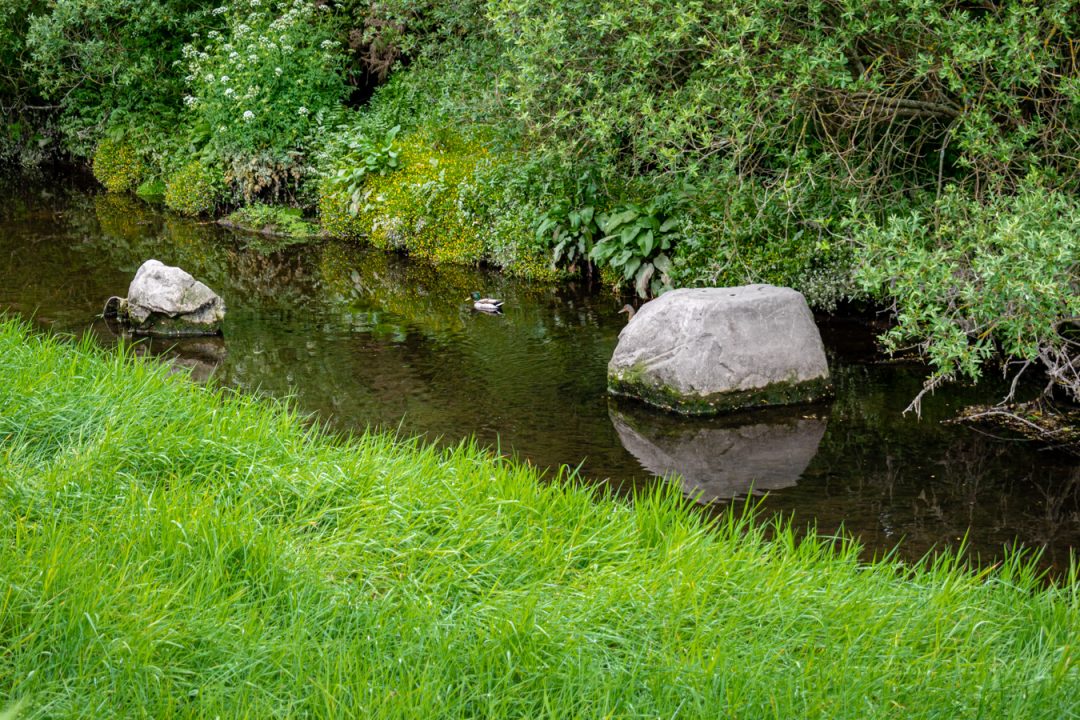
[[895, 478], [131, 232], [364, 282], [124, 217]]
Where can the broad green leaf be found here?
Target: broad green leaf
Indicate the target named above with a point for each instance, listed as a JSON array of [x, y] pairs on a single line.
[[645, 242]]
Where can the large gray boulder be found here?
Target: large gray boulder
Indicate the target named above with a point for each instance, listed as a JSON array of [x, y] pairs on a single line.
[[164, 300], [704, 351]]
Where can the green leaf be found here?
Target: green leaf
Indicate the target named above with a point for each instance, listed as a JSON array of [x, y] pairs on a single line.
[[619, 219], [645, 242]]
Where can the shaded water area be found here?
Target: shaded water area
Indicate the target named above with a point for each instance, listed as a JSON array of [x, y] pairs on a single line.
[[364, 339]]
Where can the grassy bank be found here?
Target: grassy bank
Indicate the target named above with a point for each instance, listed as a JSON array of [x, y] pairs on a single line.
[[167, 551]]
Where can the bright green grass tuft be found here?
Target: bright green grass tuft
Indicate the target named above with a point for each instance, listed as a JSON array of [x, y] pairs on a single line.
[[168, 551], [285, 223]]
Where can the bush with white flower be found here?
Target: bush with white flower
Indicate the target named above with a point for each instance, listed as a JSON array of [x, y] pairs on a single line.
[[269, 80]]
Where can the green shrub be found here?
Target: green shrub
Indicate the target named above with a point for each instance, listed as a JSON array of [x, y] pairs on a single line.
[[113, 63], [888, 90], [436, 193], [541, 216], [739, 231], [195, 189], [510, 242], [363, 155], [638, 242], [973, 280], [390, 31], [415, 208], [266, 177], [151, 190], [269, 80], [15, 17], [27, 127], [117, 166], [334, 216], [272, 220], [570, 226]]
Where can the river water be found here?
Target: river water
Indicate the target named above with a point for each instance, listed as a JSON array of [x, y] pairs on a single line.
[[363, 339]]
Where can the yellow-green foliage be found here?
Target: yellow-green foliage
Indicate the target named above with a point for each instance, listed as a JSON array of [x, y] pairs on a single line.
[[417, 208], [534, 266], [117, 166], [611, 277], [334, 215], [442, 205], [195, 189], [510, 242]]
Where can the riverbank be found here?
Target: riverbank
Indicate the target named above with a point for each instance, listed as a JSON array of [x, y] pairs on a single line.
[[172, 552]]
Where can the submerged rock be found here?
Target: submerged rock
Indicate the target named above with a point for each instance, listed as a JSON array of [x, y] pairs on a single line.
[[168, 301], [704, 351], [722, 458]]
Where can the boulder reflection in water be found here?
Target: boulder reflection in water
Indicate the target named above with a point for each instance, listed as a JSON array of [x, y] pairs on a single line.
[[200, 357], [722, 458]]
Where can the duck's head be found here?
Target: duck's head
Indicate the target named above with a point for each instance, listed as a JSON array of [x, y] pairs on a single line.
[[475, 296], [629, 310]]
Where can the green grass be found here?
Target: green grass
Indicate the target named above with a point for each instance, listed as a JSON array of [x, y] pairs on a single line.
[[168, 551], [151, 190], [285, 223]]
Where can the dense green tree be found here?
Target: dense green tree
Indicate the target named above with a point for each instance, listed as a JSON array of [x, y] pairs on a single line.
[[22, 114], [114, 62]]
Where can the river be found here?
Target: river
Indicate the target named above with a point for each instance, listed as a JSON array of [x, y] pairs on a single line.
[[362, 339]]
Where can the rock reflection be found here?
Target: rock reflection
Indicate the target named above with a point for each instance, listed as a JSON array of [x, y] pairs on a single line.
[[200, 357], [722, 458]]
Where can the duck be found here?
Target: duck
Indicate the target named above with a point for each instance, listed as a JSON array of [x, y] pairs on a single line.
[[629, 310], [485, 304]]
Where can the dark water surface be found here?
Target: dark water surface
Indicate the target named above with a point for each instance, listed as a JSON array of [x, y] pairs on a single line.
[[361, 339]]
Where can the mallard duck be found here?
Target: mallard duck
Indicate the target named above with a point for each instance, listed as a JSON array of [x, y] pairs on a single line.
[[629, 310], [488, 305]]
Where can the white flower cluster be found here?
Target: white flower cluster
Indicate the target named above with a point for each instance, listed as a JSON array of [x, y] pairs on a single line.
[[229, 73]]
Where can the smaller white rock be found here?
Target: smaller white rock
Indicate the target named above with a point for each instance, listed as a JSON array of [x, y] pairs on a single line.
[[167, 300]]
